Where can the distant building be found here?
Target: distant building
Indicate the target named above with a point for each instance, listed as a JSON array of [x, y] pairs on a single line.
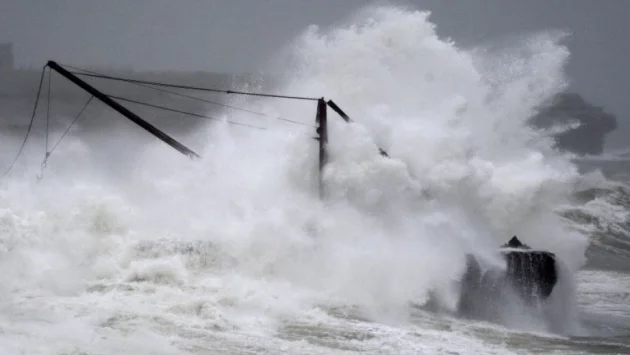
[[6, 56]]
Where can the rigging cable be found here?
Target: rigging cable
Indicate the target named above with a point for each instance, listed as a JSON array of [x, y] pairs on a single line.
[[150, 86], [48, 154], [224, 105], [197, 88], [48, 107], [182, 112], [30, 125]]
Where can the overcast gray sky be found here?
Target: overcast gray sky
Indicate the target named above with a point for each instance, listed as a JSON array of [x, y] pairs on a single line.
[[235, 35]]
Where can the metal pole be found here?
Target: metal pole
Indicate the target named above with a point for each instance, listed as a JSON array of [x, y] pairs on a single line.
[[349, 120], [123, 111], [322, 129]]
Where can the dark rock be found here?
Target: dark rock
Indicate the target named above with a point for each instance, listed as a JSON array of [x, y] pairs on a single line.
[[529, 274], [594, 123]]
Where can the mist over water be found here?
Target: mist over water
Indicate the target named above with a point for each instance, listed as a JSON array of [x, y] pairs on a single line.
[[170, 254]]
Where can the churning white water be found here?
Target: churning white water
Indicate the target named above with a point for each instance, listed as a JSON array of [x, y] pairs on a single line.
[[235, 253]]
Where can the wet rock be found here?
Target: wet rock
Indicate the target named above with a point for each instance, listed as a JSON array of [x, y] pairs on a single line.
[[529, 276]]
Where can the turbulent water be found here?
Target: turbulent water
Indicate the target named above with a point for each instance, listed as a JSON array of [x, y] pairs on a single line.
[[132, 248]]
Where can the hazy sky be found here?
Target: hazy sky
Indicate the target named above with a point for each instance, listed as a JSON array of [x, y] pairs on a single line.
[[235, 35]]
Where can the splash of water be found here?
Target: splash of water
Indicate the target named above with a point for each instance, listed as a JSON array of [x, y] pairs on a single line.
[[258, 246]]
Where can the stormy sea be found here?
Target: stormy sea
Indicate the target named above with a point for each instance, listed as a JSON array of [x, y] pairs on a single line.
[[121, 245]]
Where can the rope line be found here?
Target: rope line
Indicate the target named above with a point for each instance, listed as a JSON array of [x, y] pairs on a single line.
[[197, 88], [150, 86], [30, 125], [182, 112], [224, 105], [71, 124], [49, 154], [48, 107], [220, 104]]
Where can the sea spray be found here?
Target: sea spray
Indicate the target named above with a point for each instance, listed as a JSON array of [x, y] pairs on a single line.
[[460, 129], [466, 174]]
